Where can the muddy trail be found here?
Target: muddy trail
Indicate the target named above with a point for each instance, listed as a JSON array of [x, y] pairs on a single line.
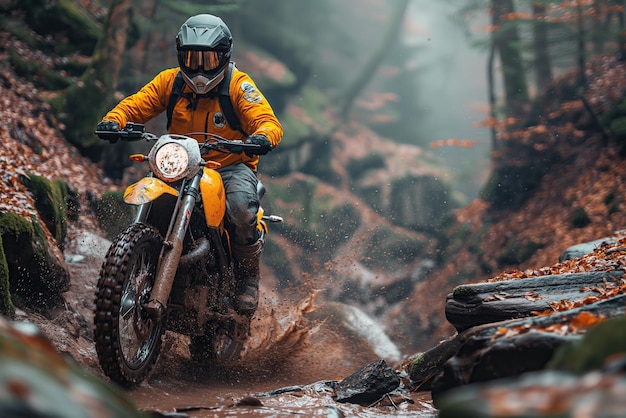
[[298, 343]]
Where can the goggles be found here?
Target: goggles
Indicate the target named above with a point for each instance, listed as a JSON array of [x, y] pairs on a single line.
[[194, 60]]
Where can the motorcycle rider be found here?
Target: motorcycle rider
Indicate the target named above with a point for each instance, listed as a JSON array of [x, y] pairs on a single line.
[[204, 46]]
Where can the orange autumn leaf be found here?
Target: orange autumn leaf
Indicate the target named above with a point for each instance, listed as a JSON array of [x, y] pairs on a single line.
[[586, 320]]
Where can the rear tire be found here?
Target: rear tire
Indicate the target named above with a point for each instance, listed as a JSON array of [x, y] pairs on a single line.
[[127, 340]]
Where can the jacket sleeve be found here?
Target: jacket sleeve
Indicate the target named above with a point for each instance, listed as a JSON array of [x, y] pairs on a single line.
[[253, 110], [147, 103]]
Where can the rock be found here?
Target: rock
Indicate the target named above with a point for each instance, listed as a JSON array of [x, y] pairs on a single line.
[[538, 394], [589, 380], [476, 304], [585, 248], [368, 384], [37, 271], [426, 366], [500, 349], [38, 381], [607, 340], [482, 359]]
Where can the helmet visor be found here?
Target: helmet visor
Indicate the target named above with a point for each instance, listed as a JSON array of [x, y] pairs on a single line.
[[200, 60]]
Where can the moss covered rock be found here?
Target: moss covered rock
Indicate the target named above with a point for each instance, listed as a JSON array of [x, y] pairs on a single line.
[[6, 304], [44, 383], [50, 201], [325, 225], [37, 273]]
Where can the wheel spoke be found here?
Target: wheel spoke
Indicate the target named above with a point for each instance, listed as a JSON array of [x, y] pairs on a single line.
[[127, 306], [136, 337]]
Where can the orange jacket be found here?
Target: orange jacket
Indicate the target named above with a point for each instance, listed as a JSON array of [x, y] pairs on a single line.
[[254, 112]]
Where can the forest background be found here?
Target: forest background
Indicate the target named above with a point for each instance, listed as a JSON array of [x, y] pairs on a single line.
[[403, 118]]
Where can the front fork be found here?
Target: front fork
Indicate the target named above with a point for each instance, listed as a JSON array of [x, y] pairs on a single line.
[[172, 250]]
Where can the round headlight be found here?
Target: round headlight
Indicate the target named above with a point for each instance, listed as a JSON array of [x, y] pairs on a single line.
[[171, 161]]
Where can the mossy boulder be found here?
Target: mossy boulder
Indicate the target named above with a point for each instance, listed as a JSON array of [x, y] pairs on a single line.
[[37, 273], [317, 218], [405, 184], [6, 304], [41, 382], [321, 223], [50, 201], [594, 351], [420, 202], [517, 251], [71, 26], [615, 120]]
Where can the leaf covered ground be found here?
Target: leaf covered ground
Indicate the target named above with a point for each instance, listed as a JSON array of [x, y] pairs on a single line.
[[590, 175]]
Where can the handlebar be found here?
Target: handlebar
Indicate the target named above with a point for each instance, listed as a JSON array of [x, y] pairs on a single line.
[[130, 132], [137, 131], [227, 146]]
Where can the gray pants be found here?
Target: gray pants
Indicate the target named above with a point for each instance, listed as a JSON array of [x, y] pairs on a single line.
[[242, 203]]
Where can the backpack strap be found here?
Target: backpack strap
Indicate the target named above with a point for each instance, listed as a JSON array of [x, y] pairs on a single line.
[[223, 95], [177, 91]]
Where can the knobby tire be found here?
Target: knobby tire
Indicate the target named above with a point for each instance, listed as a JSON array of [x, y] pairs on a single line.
[[126, 277]]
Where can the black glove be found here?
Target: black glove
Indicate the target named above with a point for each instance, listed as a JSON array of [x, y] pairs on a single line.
[[108, 130], [264, 144]]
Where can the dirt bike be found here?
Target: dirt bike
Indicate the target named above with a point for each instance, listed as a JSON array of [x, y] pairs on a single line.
[[172, 268]]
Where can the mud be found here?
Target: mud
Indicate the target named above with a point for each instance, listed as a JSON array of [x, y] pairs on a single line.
[[295, 341]]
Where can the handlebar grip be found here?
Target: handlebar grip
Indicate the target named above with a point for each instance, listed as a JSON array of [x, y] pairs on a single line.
[[110, 136], [132, 132]]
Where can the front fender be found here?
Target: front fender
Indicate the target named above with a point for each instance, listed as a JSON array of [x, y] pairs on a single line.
[[146, 190]]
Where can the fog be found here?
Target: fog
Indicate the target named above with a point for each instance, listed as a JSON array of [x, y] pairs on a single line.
[[452, 88]]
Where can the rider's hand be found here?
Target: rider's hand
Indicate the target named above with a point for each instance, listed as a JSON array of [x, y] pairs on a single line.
[[264, 144], [108, 130]]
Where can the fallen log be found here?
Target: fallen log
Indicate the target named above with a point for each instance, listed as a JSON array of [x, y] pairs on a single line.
[[482, 303], [584, 379], [480, 353]]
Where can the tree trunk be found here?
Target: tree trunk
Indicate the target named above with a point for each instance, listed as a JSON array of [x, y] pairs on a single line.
[[390, 36], [506, 40], [621, 36], [110, 51], [543, 63], [151, 39], [86, 101], [582, 78], [495, 144]]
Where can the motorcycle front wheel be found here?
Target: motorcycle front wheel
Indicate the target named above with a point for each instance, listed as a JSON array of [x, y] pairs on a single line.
[[127, 339]]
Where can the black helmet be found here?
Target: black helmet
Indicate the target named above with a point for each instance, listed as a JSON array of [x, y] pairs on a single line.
[[203, 46]]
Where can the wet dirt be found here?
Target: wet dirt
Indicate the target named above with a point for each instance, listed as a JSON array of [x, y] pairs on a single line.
[[288, 355], [296, 344]]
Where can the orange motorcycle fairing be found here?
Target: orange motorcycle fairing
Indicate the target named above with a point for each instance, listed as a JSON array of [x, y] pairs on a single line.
[[146, 190], [261, 226], [213, 197]]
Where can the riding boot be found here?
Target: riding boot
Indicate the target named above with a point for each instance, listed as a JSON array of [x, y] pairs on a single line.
[[247, 259]]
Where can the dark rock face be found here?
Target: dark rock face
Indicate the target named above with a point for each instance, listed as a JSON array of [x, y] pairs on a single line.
[[37, 271], [368, 384]]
